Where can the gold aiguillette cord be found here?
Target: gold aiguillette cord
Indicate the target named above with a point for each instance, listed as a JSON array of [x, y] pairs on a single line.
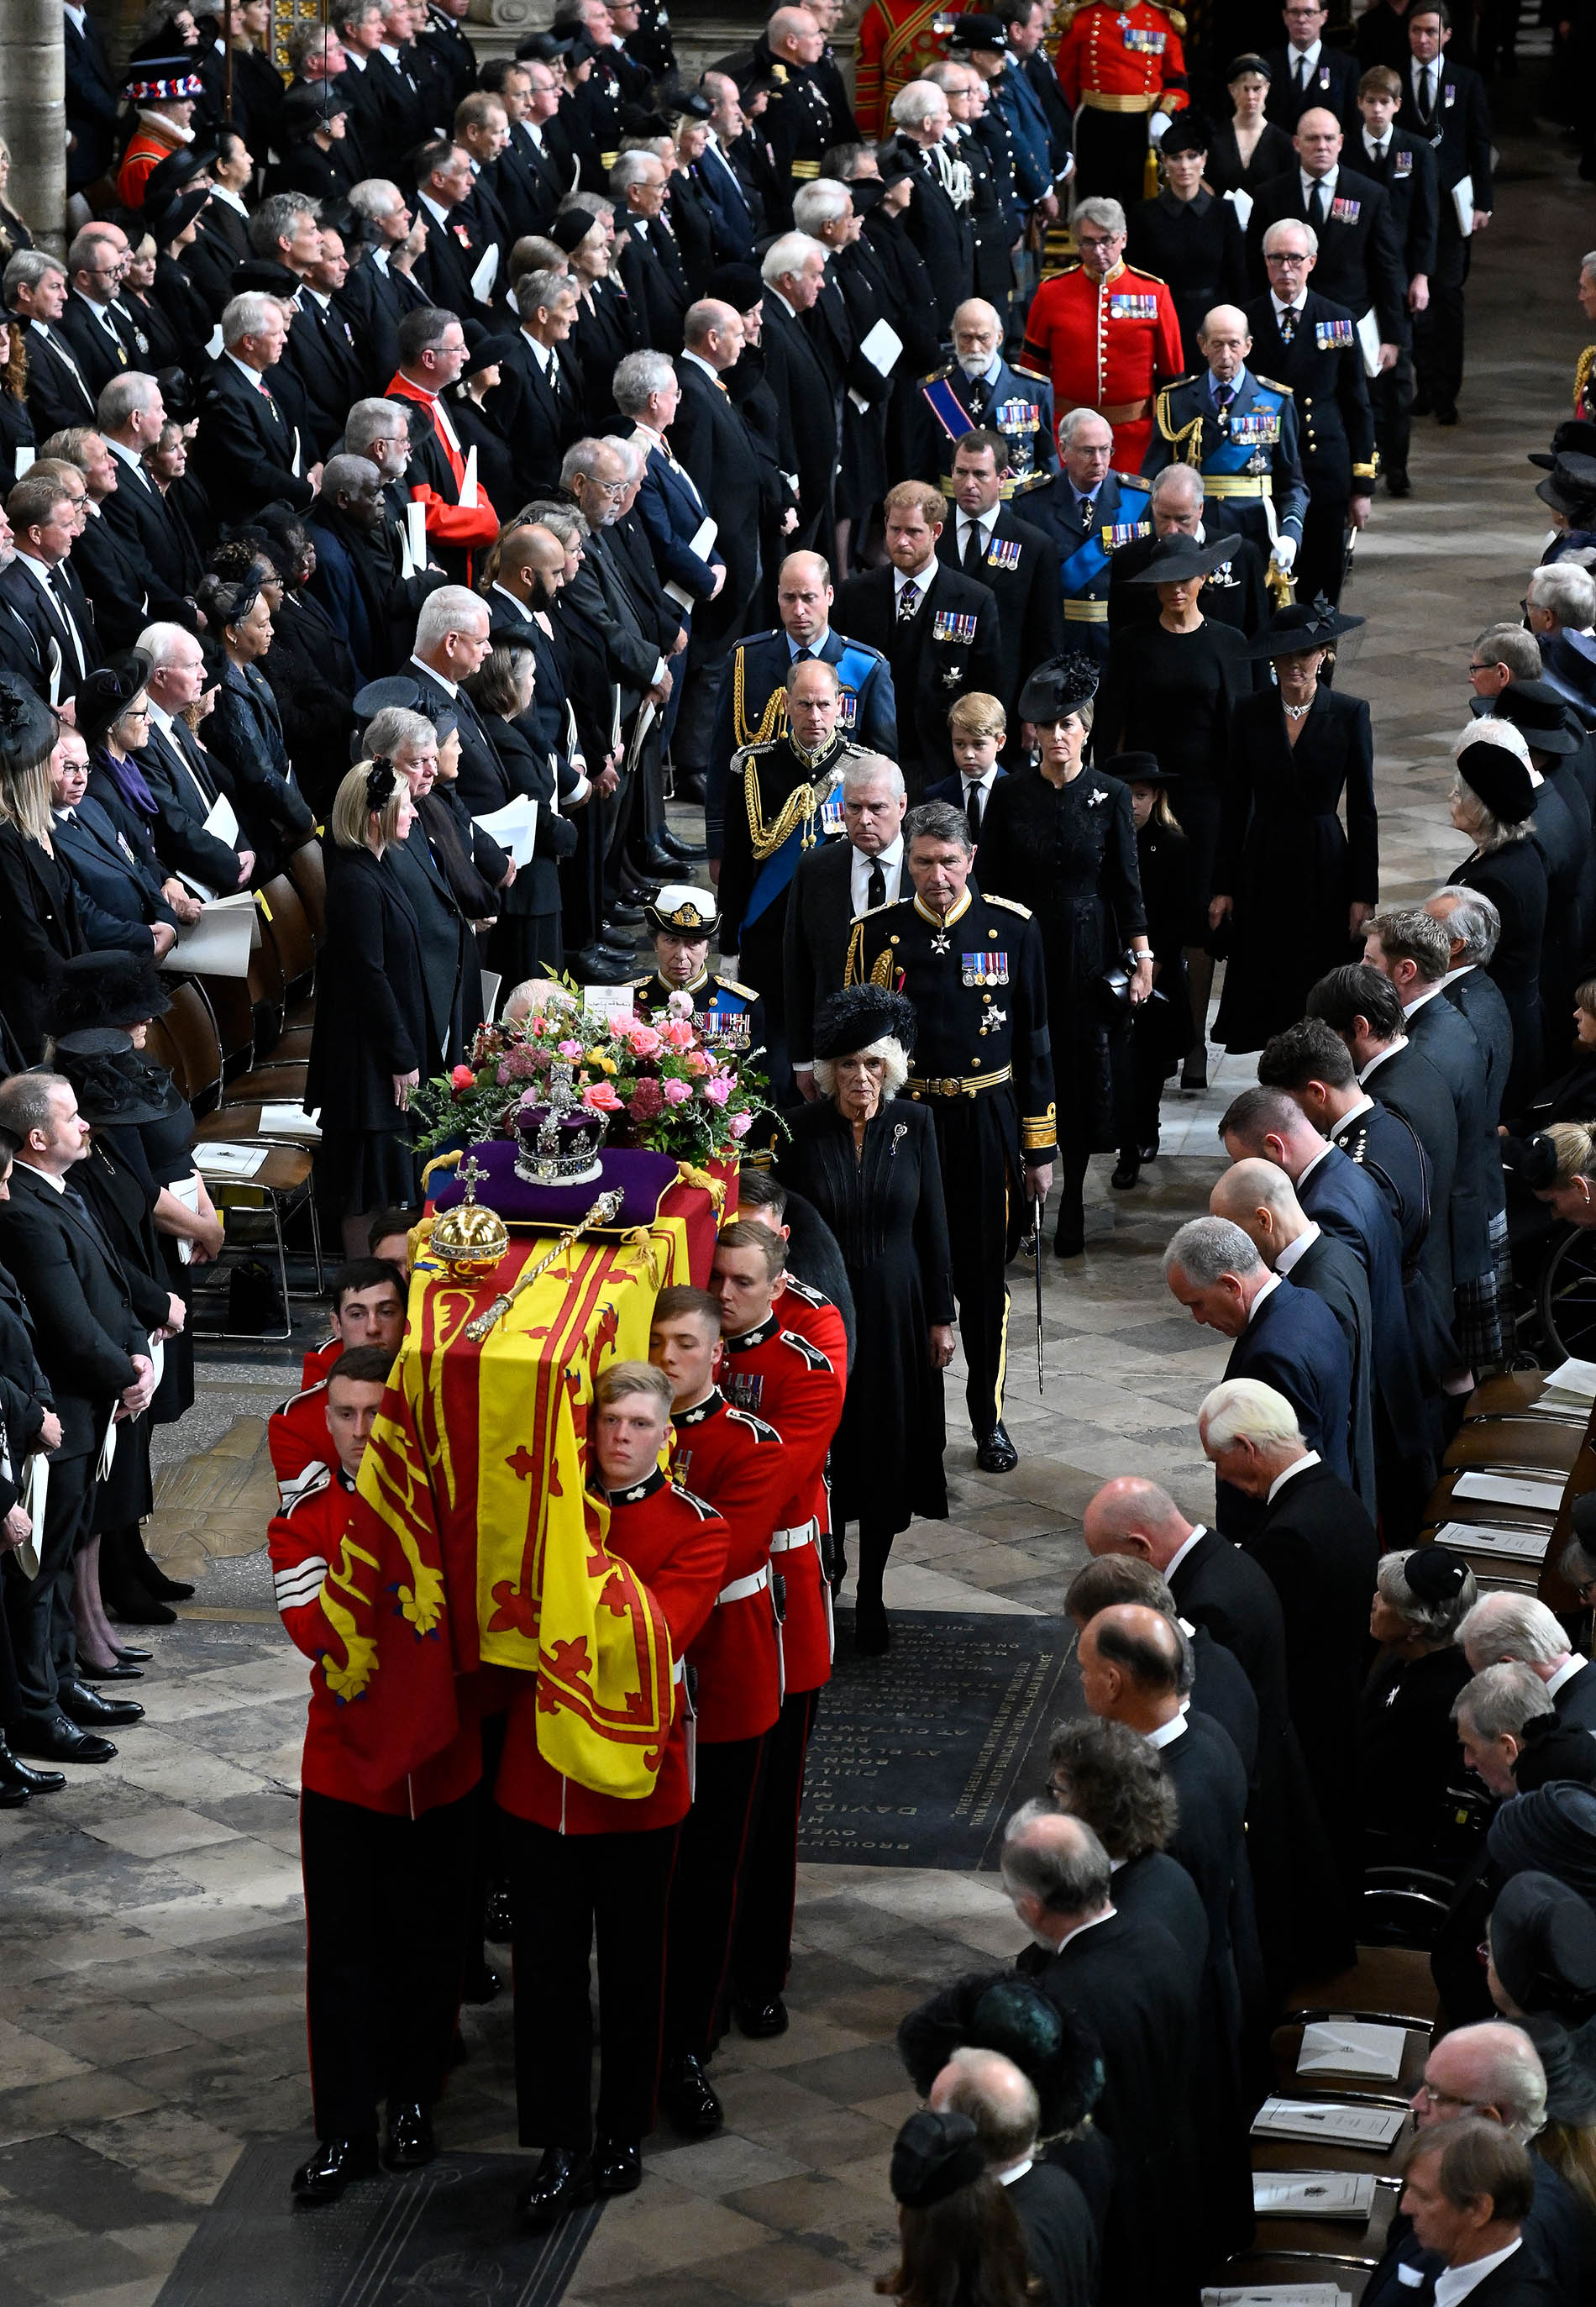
[[604, 1211]]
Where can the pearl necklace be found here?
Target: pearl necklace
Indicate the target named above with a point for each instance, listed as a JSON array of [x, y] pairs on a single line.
[[1296, 711]]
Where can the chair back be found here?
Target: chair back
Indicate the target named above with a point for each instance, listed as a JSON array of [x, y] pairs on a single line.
[[235, 1017], [289, 929], [186, 1040], [307, 870]]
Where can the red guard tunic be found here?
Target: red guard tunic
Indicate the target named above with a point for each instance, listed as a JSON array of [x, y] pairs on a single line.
[[1125, 58], [793, 1370], [736, 1462], [677, 1544], [1105, 345], [303, 1542], [895, 43]]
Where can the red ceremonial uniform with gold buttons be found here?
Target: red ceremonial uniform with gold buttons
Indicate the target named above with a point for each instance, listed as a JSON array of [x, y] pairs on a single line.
[[303, 1543], [1121, 53], [793, 1370], [297, 1434], [677, 1546], [736, 1462], [1105, 345]]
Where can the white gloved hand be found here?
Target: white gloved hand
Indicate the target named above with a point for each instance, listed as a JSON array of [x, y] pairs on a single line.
[[1158, 126], [1284, 552]]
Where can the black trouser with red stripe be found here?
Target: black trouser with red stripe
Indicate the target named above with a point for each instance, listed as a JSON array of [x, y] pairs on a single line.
[[762, 1945], [385, 1912], [718, 1843], [565, 1889]]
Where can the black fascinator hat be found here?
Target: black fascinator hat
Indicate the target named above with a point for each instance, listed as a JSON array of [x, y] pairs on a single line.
[[862, 1013], [1058, 689]]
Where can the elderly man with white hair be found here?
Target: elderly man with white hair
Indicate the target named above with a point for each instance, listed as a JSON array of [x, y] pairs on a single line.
[[1105, 334], [1002, 2103], [1242, 435], [1519, 1628], [185, 780], [248, 449], [1560, 606], [649, 266], [978, 389], [1317, 1546], [792, 269], [937, 216]]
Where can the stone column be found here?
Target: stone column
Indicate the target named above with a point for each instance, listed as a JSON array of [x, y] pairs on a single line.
[[33, 118]]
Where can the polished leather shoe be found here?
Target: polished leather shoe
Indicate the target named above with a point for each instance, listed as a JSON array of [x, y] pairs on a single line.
[[617, 2167], [689, 786], [873, 1636], [1397, 485], [14, 1774], [336, 2161], [91, 1712], [651, 858], [60, 1741], [759, 2020], [684, 852], [1193, 1073], [1148, 1152], [593, 968], [1446, 412], [629, 916], [164, 1589], [995, 1453], [689, 2100], [128, 1656], [409, 2142], [496, 1920], [14, 1794], [562, 2181], [119, 1672], [1126, 1170], [480, 1984]]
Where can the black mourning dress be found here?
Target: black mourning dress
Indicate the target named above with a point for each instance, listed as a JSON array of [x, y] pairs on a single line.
[[1161, 1031], [1513, 878], [1227, 172], [1196, 248], [1173, 695], [887, 1212], [1285, 859], [1069, 854], [1408, 1754]]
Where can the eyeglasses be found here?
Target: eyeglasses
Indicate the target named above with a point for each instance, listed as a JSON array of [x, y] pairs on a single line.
[[1433, 2097], [611, 488], [1281, 257]]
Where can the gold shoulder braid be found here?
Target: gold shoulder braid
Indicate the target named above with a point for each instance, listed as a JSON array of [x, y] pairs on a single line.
[[773, 720], [1582, 374], [1186, 439], [798, 809]]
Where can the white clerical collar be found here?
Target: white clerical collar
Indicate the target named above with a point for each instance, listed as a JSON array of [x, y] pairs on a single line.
[[1455, 2283], [1181, 1553], [1014, 2171], [1292, 1251], [432, 674], [1299, 1466]]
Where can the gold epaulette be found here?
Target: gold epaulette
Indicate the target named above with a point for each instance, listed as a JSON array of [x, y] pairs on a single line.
[[1010, 905], [1275, 386], [729, 985], [1174, 14], [936, 374], [1030, 481], [1156, 278]]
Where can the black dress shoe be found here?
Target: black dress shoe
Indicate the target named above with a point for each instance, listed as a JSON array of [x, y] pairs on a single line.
[[689, 786], [1193, 1073], [685, 2091], [1126, 1170], [14, 1794], [480, 1984], [89, 1710], [336, 2161], [409, 2142], [1446, 412], [1069, 1237], [759, 2020], [1147, 1153], [617, 2166], [130, 1656], [873, 1636], [140, 1611], [630, 917], [14, 1773], [1423, 406], [653, 857], [563, 2179], [164, 1589], [60, 1741], [684, 852], [120, 1672], [596, 969], [496, 1922], [1397, 485], [995, 1453]]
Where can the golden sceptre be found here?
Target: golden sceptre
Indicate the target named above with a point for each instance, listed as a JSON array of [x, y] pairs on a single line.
[[604, 1211]]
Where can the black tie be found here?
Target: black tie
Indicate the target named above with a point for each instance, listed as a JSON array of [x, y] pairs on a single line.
[[61, 609], [188, 746], [973, 809], [1426, 95], [876, 894], [971, 545], [1315, 204], [1301, 75]]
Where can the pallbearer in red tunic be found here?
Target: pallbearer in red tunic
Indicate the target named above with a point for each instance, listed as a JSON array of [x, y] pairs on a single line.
[[384, 1873], [1121, 69], [580, 1863], [736, 1464], [368, 1309], [1105, 335], [786, 1360]]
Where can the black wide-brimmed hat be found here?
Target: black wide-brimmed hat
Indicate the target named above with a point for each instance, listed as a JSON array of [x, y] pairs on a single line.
[[114, 1085], [1576, 436], [1138, 769], [1498, 773], [1570, 487], [972, 29], [122, 990], [26, 725], [1543, 1945], [684, 911], [108, 691], [1058, 689], [862, 1013], [484, 349], [571, 227], [1298, 626], [166, 220], [1177, 560], [1540, 713], [310, 107]]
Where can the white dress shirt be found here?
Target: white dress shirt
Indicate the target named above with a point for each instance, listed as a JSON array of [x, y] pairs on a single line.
[[983, 524], [1455, 2283], [1181, 1553], [891, 862], [1293, 1250], [1299, 1466]]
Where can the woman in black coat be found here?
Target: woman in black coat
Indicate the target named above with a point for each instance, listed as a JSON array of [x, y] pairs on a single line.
[[38, 903], [244, 729], [1251, 149], [1493, 802], [1059, 839], [526, 940], [1188, 235], [1293, 887], [474, 422], [868, 1164], [606, 328], [374, 1034], [1408, 1755], [309, 668], [1161, 1031]]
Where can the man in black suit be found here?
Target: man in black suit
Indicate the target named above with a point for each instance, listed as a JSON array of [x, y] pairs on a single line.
[[1518, 1629], [1304, 72], [1360, 260], [42, 514], [1407, 1143], [1062, 2246], [1126, 1979], [187, 781], [986, 541], [1446, 105], [94, 1352], [450, 266], [58, 392], [1405, 167], [248, 446], [835, 884], [1473, 926], [1317, 1547], [538, 397], [1304, 340], [378, 293], [132, 414], [792, 270], [937, 628], [90, 326], [104, 561], [650, 269], [1284, 1336], [1469, 2188], [710, 439], [526, 182], [1269, 1125], [91, 100], [285, 240]]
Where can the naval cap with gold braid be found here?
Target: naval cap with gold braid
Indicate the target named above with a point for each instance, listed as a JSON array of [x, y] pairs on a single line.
[[684, 911]]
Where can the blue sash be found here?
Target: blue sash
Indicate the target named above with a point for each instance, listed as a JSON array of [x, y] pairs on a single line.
[[1235, 456], [1091, 557], [773, 876], [947, 407]]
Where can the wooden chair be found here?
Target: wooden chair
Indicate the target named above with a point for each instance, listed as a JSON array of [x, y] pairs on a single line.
[[186, 1043], [268, 991], [281, 1183], [234, 1016], [1388, 1986], [285, 921], [307, 870]]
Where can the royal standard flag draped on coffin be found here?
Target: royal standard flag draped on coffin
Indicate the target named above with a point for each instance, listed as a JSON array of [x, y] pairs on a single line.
[[475, 1541]]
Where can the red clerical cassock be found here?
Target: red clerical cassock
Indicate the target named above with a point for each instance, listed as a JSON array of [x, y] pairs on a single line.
[[576, 1859], [436, 473], [1105, 345], [792, 1370]]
